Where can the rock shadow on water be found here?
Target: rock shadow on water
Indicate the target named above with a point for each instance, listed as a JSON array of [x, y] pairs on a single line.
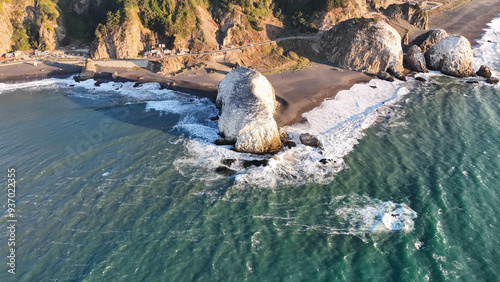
[[135, 111]]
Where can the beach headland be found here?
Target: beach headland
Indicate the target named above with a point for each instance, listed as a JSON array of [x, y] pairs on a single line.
[[298, 91]]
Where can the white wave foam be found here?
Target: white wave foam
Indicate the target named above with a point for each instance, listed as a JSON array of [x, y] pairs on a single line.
[[488, 50], [365, 214], [46, 83], [338, 123]]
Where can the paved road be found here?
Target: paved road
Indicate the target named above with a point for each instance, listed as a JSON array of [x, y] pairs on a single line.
[[246, 46]]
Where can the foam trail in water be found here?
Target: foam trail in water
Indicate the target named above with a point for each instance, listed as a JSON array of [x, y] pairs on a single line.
[[352, 215], [46, 83]]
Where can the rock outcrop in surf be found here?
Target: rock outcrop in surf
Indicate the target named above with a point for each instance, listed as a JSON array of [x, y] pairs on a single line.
[[364, 45], [247, 102]]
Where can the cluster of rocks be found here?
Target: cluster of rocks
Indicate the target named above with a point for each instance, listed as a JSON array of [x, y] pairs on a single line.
[[247, 100], [450, 54], [375, 47]]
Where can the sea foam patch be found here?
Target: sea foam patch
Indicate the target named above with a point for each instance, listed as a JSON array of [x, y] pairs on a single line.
[[349, 215], [488, 51], [364, 214]]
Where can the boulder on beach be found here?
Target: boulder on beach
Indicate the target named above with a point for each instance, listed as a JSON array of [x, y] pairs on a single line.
[[427, 40], [248, 103], [364, 45], [416, 59], [452, 55], [88, 70]]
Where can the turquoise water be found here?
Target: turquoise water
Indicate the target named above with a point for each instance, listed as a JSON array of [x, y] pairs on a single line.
[[101, 196]]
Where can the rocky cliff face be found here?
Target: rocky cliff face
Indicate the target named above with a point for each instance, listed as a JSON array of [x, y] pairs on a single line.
[[26, 24], [127, 40], [408, 12], [247, 102], [452, 55], [429, 39], [364, 45], [6, 27]]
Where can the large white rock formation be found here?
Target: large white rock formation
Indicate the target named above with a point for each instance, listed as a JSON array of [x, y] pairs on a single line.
[[452, 55], [247, 102]]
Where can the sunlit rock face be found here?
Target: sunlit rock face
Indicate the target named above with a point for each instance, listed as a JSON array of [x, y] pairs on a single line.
[[453, 56], [247, 102], [364, 45]]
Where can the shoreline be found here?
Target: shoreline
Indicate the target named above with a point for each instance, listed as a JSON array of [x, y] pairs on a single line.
[[298, 92]]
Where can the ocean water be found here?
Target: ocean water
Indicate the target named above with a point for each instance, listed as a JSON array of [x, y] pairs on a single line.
[[116, 183]]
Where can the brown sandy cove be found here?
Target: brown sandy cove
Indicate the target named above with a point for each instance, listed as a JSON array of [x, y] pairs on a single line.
[[299, 91]]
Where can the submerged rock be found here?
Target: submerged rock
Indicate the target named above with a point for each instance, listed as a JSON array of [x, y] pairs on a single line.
[[249, 163], [247, 102], [224, 170], [419, 78], [452, 55], [365, 45], [416, 59], [492, 80]]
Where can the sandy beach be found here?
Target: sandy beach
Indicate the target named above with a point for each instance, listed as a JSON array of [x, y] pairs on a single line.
[[298, 91], [467, 18]]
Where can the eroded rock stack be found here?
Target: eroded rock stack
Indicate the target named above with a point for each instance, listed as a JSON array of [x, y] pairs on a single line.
[[364, 45], [247, 102], [88, 70]]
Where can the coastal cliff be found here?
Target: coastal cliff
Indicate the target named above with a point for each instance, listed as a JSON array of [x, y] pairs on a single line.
[[125, 38], [122, 29], [28, 23]]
